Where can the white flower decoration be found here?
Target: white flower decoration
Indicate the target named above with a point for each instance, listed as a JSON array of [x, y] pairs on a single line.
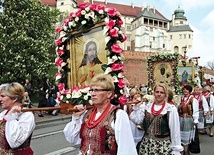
[[76, 94], [108, 70], [83, 22]]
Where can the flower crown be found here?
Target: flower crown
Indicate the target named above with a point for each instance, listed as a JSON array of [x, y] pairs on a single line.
[[84, 18]]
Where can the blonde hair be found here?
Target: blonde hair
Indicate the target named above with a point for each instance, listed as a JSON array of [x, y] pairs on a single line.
[[13, 90], [164, 88], [103, 80]]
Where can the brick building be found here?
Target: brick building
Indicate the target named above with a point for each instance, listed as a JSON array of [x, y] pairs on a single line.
[[148, 32]]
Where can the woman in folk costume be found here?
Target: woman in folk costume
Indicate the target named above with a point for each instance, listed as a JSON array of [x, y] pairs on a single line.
[[189, 113], [160, 123], [209, 115], [203, 108], [105, 129], [16, 127]]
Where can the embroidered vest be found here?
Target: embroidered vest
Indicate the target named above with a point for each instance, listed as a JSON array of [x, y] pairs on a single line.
[[159, 125], [4, 146], [186, 108], [100, 140]]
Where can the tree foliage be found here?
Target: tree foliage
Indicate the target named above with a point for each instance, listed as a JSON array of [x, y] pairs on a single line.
[[27, 34], [210, 64]]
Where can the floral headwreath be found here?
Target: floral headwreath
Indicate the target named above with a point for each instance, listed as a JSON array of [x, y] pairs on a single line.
[[84, 18]]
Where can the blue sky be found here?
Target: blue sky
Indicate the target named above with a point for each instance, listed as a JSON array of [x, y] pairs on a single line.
[[200, 15]]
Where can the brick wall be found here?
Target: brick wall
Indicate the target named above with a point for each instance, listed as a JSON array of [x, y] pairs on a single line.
[[136, 67]]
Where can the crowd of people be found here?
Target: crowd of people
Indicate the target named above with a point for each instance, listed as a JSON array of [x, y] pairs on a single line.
[[47, 93], [156, 125]]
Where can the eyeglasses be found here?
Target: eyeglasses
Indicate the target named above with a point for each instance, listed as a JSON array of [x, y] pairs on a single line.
[[97, 90]]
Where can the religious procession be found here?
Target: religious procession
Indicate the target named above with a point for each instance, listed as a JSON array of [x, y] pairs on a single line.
[[109, 115]]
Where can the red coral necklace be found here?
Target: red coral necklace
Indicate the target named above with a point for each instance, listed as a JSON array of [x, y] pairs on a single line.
[[91, 123], [154, 112]]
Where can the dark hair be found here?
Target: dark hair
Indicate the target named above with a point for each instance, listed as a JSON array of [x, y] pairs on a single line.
[[188, 87], [170, 95], [95, 60]]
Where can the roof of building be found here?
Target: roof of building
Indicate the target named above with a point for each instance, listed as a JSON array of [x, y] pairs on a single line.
[[130, 10], [49, 2], [127, 10], [151, 13], [180, 28]]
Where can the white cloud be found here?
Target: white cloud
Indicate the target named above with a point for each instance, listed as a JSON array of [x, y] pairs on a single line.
[[202, 46], [193, 4], [208, 20]]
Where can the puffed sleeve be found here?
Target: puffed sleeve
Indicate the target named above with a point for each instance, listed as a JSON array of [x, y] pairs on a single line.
[[18, 128], [137, 115], [195, 110], [175, 135], [211, 102], [123, 134], [205, 104], [72, 130]]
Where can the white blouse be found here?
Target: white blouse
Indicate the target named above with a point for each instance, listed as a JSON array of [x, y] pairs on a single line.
[[123, 133], [18, 128], [138, 114]]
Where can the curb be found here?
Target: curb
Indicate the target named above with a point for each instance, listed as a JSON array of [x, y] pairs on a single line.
[[60, 117]]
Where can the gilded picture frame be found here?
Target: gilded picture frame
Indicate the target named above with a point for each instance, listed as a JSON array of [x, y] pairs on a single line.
[[186, 73], [162, 68], [82, 71]]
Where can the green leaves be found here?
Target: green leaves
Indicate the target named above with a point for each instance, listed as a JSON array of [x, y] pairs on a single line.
[[27, 39]]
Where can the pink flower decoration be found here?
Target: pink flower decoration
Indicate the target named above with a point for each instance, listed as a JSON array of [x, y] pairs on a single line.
[[75, 88], [59, 42], [101, 7], [120, 22], [86, 86], [113, 32], [110, 24], [121, 83], [59, 29], [72, 15], [61, 86], [78, 13], [116, 48], [93, 7], [83, 6], [60, 52], [122, 100], [117, 67], [124, 37], [67, 91], [66, 21], [112, 12], [59, 62], [58, 74]]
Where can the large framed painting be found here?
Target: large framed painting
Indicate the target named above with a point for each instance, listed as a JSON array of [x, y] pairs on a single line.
[[186, 74], [162, 68], [87, 54], [90, 41]]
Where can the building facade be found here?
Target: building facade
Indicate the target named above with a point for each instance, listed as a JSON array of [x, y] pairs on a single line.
[[147, 30]]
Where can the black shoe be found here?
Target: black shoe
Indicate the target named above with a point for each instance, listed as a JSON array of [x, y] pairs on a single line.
[[40, 115]]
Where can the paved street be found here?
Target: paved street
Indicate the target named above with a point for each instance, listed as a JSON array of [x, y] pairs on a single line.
[[206, 142]]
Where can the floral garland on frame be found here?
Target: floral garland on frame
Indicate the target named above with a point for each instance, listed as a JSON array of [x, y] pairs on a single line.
[[166, 57], [84, 18]]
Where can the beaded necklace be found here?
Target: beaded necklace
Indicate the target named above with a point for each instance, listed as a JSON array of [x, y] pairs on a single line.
[[154, 112], [91, 123]]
